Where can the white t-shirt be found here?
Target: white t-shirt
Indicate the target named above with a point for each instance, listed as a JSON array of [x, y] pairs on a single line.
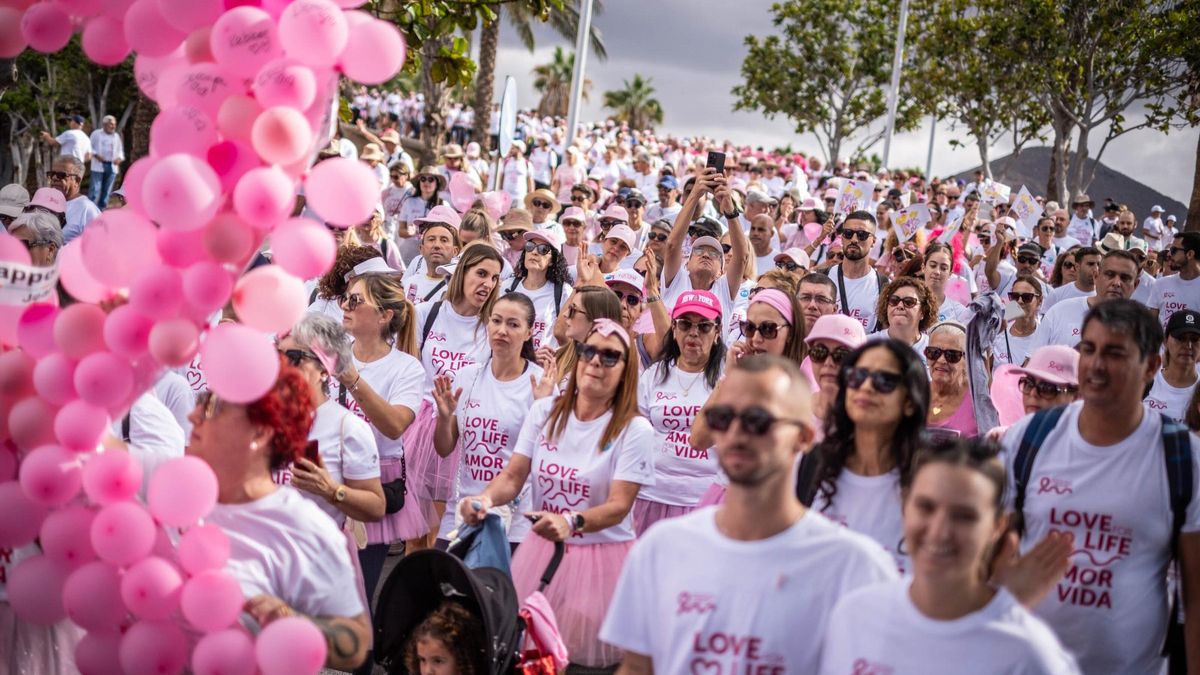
[[1082, 229], [154, 435], [108, 145], [573, 473], [1168, 400], [283, 545], [1145, 289], [418, 285], [861, 296], [541, 160], [683, 283], [682, 473], [80, 212], [515, 172], [454, 341], [544, 311], [1006, 271], [490, 414], [695, 601], [870, 505], [953, 310], [1110, 609], [1021, 347], [1154, 226], [75, 143], [347, 449], [764, 263], [741, 304], [398, 378], [655, 212], [1065, 242], [878, 629], [1064, 292], [173, 391], [1062, 325], [1172, 294]]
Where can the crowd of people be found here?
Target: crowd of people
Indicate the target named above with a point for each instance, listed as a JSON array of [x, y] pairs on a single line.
[[775, 433]]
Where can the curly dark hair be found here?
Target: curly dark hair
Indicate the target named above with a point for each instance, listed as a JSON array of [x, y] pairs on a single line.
[[556, 271], [288, 411], [831, 454], [928, 307], [459, 631], [333, 284]]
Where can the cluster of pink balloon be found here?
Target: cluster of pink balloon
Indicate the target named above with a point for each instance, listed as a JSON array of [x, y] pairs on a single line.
[[247, 91]]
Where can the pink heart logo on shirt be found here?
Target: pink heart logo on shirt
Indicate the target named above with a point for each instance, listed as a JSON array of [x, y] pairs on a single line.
[[706, 667], [194, 378], [438, 366], [546, 485]]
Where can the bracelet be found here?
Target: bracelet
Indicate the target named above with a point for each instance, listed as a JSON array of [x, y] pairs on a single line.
[[653, 298], [570, 517], [354, 387]]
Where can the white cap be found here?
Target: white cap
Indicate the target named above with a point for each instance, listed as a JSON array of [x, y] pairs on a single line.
[[1156, 209], [628, 277], [375, 265]]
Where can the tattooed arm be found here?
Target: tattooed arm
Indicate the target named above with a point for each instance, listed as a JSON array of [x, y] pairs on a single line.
[[347, 639]]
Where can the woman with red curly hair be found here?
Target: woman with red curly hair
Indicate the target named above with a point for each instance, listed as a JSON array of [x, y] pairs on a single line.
[[289, 557]]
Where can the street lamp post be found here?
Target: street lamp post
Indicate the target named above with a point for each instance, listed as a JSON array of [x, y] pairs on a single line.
[[894, 93], [577, 77]]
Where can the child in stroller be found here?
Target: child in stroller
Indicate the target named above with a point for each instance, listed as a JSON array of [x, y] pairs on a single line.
[[448, 642]]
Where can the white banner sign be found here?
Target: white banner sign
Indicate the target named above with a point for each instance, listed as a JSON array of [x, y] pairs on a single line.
[[908, 220], [26, 284], [1027, 211], [855, 195]]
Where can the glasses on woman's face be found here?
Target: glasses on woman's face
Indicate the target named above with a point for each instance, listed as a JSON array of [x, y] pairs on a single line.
[[510, 235], [768, 329], [726, 248], [609, 358], [540, 249], [540, 203], [837, 257], [631, 299], [686, 326], [571, 224], [952, 356], [607, 223], [657, 236], [755, 420], [574, 311], [578, 199], [1068, 266], [297, 356], [1047, 228], [787, 265], [818, 354], [1023, 298], [353, 301], [210, 404], [1046, 390], [909, 302], [882, 381]]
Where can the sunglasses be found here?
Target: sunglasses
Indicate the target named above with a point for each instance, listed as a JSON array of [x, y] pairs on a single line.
[[572, 223], [881, 381], [726, 247], [297, 356], [951, 355], [1068, 266], [631, 299], [1045, 389], [572, 311], [899, 255], [1048, 228], [540, 203], [861, 235], [426, 179], [510, 235], [896, 301], [540, 249], [705, 252], [30, 245], [210, 404], [830, 201], [608, 357], [694, 232], [836, 256], [608, 222], [754, 420], [768, 329], [578, 199], [353, 301], [1027, 260], [1023, 297], [657, 237], [59, 175], [789, 265], [686, 325], [634, 204], [818, 354]]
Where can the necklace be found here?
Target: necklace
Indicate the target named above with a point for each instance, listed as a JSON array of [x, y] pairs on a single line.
[[688, 388]]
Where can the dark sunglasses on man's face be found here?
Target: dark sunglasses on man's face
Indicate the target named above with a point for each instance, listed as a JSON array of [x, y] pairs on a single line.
[[58, 175], [881, 381], [634, 203], [754, 420], [608, 357], [818, 354], [861, 235], [952, 356], [1027, 260]]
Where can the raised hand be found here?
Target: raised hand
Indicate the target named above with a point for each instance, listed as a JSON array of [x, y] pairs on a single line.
[[445, 396]]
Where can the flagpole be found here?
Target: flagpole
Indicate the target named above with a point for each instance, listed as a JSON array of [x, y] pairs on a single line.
[[894, 92], [577, 77]]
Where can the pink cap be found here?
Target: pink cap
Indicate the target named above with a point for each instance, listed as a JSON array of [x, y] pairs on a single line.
[[441, 214], [809, 204], [1053, 363], [628, 277], [616, 212], [796, 255], [549, 236], [49, 198], [621, 231], [573, 213], [839, 328], [831, 193], [697, 302]]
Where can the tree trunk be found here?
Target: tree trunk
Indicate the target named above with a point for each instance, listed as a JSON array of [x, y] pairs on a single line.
[[1056, 180], [436, 95], [485, 83], [984, 162], [1079, 160], [139, 132], [1193, 215]]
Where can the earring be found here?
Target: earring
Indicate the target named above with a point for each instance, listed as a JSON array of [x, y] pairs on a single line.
[[254, 446]]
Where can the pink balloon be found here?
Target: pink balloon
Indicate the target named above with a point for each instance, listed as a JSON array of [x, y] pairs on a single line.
[[92, 596], [35, 329], [74, 275], [264, 196], [198, 46], [343, 191], [374, 53], [182, 129], [147, 30], [20, 516], [188, 16], [173, 342], [205, 86], [236, 117], [104, 41], [462, 192], [203, 548], [303, 248], [54, 379], [171, 81], [182, 491], [157, 293], [232, 160], [1006, 394], [270, 299], [812, 231], [98, 653], [8, 463], [65, 537], [132, 185], [241, 363], [151, 588], [111, 476], [46, 27], [12, 39], [229, 239], [207, 286], [127, 332], [281, 135], [181, 192], [27, 423], [292, 645], [211, 600], [123, 533], [51, 475], [18, 374], [79, 330], [119, 245], [79, 426], [12, 250], [103, 379], [181, 248], [154, 647], [956, 289], [10, 316], [35, 589], [313, 32], [284, 82], [244, 39], [225, 652], [81, 8]]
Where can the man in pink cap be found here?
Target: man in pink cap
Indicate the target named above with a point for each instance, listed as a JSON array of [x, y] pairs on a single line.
[[830, 339], [438, 230], [1050, 378]]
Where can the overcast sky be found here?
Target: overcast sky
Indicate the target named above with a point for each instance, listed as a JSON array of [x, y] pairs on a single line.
[[693, 53]]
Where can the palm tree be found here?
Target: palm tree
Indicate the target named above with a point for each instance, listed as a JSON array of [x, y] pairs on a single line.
[[553, 81], [635, 104], [520, 16]]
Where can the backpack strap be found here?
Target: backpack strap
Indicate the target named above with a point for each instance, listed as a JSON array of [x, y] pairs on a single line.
[[126, 424], [312, 297], [433, 292], [515, 283], [806, 478], [1039, 428], [842, 292], [558, 291], [1178, 449], [383, 248], [880, 280], [433, 312]]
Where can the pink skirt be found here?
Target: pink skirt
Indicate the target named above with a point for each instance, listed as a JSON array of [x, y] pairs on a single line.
[[714, 495], [433, 476], [647, 513], [579, 594], [407, 523], [26, 649]]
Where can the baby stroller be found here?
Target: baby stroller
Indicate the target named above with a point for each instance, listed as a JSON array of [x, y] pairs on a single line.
[[421, 582]]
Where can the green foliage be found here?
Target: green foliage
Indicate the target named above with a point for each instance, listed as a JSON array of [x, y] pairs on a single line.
[[564, 22], [553, 81], [635, 103]]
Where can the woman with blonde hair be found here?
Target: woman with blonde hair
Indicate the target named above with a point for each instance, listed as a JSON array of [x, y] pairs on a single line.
[[372, 233]]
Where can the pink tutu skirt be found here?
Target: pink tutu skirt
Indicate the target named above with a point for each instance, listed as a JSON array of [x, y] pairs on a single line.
[[714, 495], [579, 594], [433, 476], [26, 649], [407, 523], [647, 513]]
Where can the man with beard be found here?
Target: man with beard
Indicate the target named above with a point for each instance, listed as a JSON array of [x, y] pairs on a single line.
[[858, 283], [439, 244], [1061, 239], [1087, 262], [1179, 291], [1063, 324], [677, 607]]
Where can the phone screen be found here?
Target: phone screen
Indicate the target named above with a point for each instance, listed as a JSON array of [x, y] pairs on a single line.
[[716, 160], [312, 452]]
